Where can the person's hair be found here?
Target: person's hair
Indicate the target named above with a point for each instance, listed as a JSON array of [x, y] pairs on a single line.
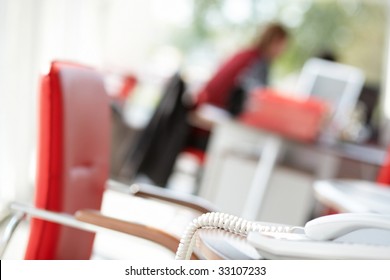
[[273, 32]]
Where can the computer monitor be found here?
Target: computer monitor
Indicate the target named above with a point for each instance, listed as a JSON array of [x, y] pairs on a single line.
[[336, 83]]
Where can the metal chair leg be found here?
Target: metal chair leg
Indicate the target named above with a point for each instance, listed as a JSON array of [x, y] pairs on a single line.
[[9, 230], [4, 216]]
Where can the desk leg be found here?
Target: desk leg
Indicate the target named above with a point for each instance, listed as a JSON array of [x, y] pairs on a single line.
[[267, 161], [328, 166]]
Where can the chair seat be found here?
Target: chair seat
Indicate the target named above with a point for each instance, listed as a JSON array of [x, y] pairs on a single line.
[[354, 195]]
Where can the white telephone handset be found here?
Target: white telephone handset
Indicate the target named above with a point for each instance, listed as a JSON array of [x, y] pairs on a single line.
[[334, 226], [340, 236]]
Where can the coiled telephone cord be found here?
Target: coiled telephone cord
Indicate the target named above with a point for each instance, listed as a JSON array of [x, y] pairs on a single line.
[[222, 221]]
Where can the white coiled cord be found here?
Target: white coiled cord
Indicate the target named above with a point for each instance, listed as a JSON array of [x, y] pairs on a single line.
[[223, 221]]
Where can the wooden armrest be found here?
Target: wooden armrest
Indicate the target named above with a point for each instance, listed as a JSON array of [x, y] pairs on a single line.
[[93, 221], [146, 232], [190, 201], [149, 191]]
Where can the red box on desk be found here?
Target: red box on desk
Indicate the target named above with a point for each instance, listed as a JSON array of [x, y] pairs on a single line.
[[299, 119]]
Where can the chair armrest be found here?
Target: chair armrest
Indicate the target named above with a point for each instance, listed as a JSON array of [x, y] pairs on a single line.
[[146, 232], [55, 217], [5, 212], [20, 211], [149, 191], [93, 221]]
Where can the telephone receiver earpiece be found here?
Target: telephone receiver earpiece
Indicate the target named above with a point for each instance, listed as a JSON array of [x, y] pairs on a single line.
[[334, 226]]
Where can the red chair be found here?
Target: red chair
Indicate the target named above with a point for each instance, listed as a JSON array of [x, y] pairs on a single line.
[[73, 163], [384, 172], [72, 158]]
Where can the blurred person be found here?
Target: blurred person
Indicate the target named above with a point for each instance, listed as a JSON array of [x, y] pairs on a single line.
[[245, 70], [225, 93], [220, 97]]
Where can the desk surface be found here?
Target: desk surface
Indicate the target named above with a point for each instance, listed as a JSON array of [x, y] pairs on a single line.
[[369, 154], [363, 153], [354, 196]]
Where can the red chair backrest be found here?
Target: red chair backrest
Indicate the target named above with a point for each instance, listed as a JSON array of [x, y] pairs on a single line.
[[73, 158]]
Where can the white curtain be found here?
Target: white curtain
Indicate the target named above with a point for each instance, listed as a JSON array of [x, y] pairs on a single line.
[[385, 98], [114, 34], [17, 96], [33, 33]]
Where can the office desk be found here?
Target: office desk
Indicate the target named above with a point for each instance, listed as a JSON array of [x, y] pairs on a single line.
[[354, 196], [237, 179]]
